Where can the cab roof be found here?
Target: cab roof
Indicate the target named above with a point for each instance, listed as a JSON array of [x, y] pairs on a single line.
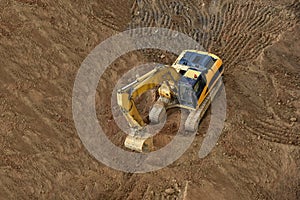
[[198, 61]]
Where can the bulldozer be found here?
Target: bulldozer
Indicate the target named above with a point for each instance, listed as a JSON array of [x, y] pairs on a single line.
[[191, 83]]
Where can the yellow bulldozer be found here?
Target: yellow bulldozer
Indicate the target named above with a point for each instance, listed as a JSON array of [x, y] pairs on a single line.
[[191, 83]]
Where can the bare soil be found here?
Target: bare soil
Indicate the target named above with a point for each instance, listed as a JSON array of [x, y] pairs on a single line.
[[43, 43]]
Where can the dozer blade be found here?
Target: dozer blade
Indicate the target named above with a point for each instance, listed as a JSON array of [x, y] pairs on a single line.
[[140, 144]]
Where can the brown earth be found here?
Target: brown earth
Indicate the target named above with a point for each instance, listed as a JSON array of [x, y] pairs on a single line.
[[42, 46]]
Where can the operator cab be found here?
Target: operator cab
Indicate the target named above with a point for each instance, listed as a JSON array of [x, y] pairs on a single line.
[[193, 68], [190, 88]]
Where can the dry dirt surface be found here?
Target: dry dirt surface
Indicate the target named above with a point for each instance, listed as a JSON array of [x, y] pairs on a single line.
[[43, 43]]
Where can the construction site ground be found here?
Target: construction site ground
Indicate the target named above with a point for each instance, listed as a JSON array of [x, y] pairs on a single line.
[[42, 45]]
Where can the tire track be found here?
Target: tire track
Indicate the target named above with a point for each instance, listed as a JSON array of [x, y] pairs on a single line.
[[249, 8], [222, 17], [283, 138]]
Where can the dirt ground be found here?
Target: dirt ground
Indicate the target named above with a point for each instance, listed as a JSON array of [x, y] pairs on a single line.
[[42, 45]]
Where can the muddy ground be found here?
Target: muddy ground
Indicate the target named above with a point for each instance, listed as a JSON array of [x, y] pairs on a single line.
[[43, 44]]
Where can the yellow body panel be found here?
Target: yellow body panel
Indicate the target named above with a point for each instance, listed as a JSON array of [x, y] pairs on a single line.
[[193, 74], [209, 77]]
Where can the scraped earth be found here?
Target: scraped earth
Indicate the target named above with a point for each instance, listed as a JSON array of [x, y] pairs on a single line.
[[42, 46]]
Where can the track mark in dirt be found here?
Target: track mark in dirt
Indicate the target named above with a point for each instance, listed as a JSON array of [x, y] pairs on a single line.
[[234, 30]]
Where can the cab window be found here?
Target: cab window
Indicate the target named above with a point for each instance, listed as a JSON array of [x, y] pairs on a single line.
[[200, 85]]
